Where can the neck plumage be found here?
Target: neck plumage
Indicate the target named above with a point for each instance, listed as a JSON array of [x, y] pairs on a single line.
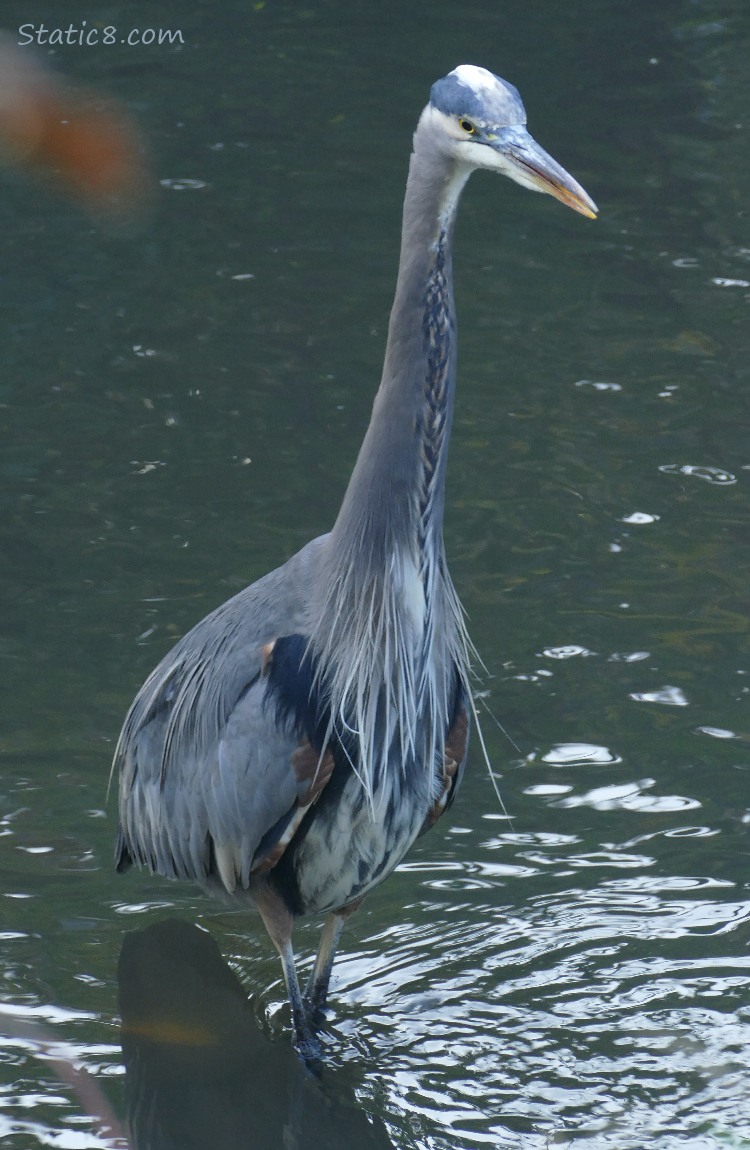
[[395, 497], [388, 633]]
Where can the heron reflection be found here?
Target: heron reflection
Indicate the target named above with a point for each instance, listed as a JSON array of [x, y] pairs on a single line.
[[199, 1072]]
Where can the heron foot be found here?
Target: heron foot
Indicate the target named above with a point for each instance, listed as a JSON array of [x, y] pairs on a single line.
[[306, 1041], [315, 1010], [315, 1001]]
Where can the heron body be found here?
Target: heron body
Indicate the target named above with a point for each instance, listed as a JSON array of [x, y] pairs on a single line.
[[293, 745]]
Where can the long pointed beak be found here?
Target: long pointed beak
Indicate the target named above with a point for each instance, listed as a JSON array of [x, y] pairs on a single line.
[[530, 165]]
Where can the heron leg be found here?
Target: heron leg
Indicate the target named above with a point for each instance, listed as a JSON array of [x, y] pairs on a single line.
[[316, 990], [279, 923]]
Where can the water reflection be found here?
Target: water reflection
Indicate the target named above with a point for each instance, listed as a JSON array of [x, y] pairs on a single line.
[[708, 474], [577, 755], [199, 1072]]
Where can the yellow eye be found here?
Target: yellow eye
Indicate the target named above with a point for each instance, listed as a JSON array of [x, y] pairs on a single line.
[[467, 126]]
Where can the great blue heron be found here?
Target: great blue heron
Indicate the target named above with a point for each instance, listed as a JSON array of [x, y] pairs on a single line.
[[293, 745]]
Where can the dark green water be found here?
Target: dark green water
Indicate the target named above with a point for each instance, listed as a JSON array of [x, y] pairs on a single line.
[[578, 974]]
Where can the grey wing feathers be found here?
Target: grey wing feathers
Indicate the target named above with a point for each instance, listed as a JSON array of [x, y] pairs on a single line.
[[205, 772]]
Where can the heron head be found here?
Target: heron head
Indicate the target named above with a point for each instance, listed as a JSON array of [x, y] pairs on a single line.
[[481, 122]]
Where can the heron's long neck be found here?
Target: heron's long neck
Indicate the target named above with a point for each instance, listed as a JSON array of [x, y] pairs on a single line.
[[387, 631], [395, 497]]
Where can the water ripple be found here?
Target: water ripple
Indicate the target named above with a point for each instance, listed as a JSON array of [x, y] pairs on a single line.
[[598, 385], [640, 517], [629, 797], [717, 732], [708, 474], [583, 1016], [667, 696], [578, 755], [569, 651], [183, 184]]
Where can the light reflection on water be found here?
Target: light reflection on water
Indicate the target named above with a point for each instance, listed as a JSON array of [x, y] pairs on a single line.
[[550, 1020], [602, 1013], [490, 1011]]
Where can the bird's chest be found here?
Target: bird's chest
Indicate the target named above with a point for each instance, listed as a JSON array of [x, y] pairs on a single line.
[[387, 738], [349, 845]]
